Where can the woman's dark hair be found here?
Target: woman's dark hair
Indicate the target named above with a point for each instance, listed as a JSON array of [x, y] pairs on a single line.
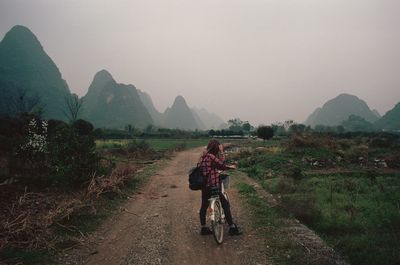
[[213, 147]]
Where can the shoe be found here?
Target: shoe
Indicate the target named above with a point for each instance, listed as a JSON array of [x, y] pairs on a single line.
[[205, 231], [234, 231]]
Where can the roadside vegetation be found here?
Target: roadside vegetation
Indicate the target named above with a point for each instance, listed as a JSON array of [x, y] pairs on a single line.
[[59, 181], [345, 186]]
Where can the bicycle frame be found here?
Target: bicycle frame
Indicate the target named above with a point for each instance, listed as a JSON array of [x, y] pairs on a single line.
[[212, 201], [217, 225]]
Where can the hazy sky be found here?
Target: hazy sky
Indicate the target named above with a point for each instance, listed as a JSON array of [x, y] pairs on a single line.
[[262, 61]]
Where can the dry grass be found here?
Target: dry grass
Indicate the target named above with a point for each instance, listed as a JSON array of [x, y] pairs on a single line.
[[27, 220]]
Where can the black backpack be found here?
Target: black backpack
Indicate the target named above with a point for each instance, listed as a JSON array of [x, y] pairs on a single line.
[[196, 178]]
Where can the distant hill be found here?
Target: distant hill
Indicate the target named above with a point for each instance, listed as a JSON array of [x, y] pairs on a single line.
[[202, 119], [198, 120], [337, 110], [112, 105], [376, 113], [391, 120], [210, 120], [180, 116], [148, 103], [313, 116], [26, 69]]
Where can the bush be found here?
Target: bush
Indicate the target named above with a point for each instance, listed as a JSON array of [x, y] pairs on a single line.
[[138, 146], [72, 156], [311, 141], [265, 132], [295, 173]]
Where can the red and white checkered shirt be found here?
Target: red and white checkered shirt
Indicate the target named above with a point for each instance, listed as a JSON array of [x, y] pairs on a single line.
[[210, 164]]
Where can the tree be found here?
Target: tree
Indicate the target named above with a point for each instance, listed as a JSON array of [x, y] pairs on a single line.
[[73, 107], [297, 128], [246, 126], [265, 132], [278, 128], [235, 125], [357, 124], [287, 124]]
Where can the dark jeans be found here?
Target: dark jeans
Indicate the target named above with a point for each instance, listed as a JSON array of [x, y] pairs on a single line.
[[205, 195]]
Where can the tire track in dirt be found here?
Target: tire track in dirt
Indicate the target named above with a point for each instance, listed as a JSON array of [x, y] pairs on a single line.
[[160, 225]]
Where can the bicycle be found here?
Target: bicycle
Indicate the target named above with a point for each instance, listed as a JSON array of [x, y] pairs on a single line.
[[215, 210]]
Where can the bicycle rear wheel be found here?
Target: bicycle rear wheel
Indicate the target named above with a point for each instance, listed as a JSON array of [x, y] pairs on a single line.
[[217, 225]]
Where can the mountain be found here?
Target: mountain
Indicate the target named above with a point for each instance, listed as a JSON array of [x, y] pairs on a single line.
[[100, 80], [154, 113], [377, 113], [202, 118], [313, 116], [210, 120], [338, 109], [198, 120], [27, 71], [112, 105], [180, 116], [391, 120]]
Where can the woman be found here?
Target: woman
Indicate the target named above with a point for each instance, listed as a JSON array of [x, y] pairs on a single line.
[[212, 161]]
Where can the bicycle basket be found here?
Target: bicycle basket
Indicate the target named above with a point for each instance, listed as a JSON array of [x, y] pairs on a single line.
[[215, 191], [225, 182]]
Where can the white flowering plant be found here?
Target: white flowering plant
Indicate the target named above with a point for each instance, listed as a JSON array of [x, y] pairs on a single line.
[[36, 140]]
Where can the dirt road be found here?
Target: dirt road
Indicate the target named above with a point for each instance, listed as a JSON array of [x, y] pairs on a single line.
[[160, 225]]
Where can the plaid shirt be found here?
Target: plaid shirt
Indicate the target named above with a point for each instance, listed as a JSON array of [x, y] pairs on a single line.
[[210, 165]]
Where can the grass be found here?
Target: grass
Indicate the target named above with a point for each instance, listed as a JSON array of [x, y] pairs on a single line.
[[355, 210], [156, 144], [270, 222]]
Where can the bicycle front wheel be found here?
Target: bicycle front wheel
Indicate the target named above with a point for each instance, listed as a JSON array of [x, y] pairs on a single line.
[[217, 224]]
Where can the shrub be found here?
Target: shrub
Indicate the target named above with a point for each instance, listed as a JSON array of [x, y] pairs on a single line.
[[379, 143], [265, 132], [311, 141], [138, 146], [295, 173], [72, 153]]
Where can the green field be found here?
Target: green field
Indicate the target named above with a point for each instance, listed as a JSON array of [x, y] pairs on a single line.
[[352, 206], [156, 144]]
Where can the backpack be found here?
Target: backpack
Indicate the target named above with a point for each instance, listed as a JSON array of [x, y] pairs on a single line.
[[196, 177]]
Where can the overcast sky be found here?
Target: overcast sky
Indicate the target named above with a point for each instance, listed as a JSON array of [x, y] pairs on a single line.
[[262, 61]]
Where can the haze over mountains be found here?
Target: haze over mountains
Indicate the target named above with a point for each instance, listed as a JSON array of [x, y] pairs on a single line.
[[28, 74]]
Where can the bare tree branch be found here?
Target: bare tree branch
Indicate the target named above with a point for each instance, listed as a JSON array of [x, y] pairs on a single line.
[[73, 107]]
